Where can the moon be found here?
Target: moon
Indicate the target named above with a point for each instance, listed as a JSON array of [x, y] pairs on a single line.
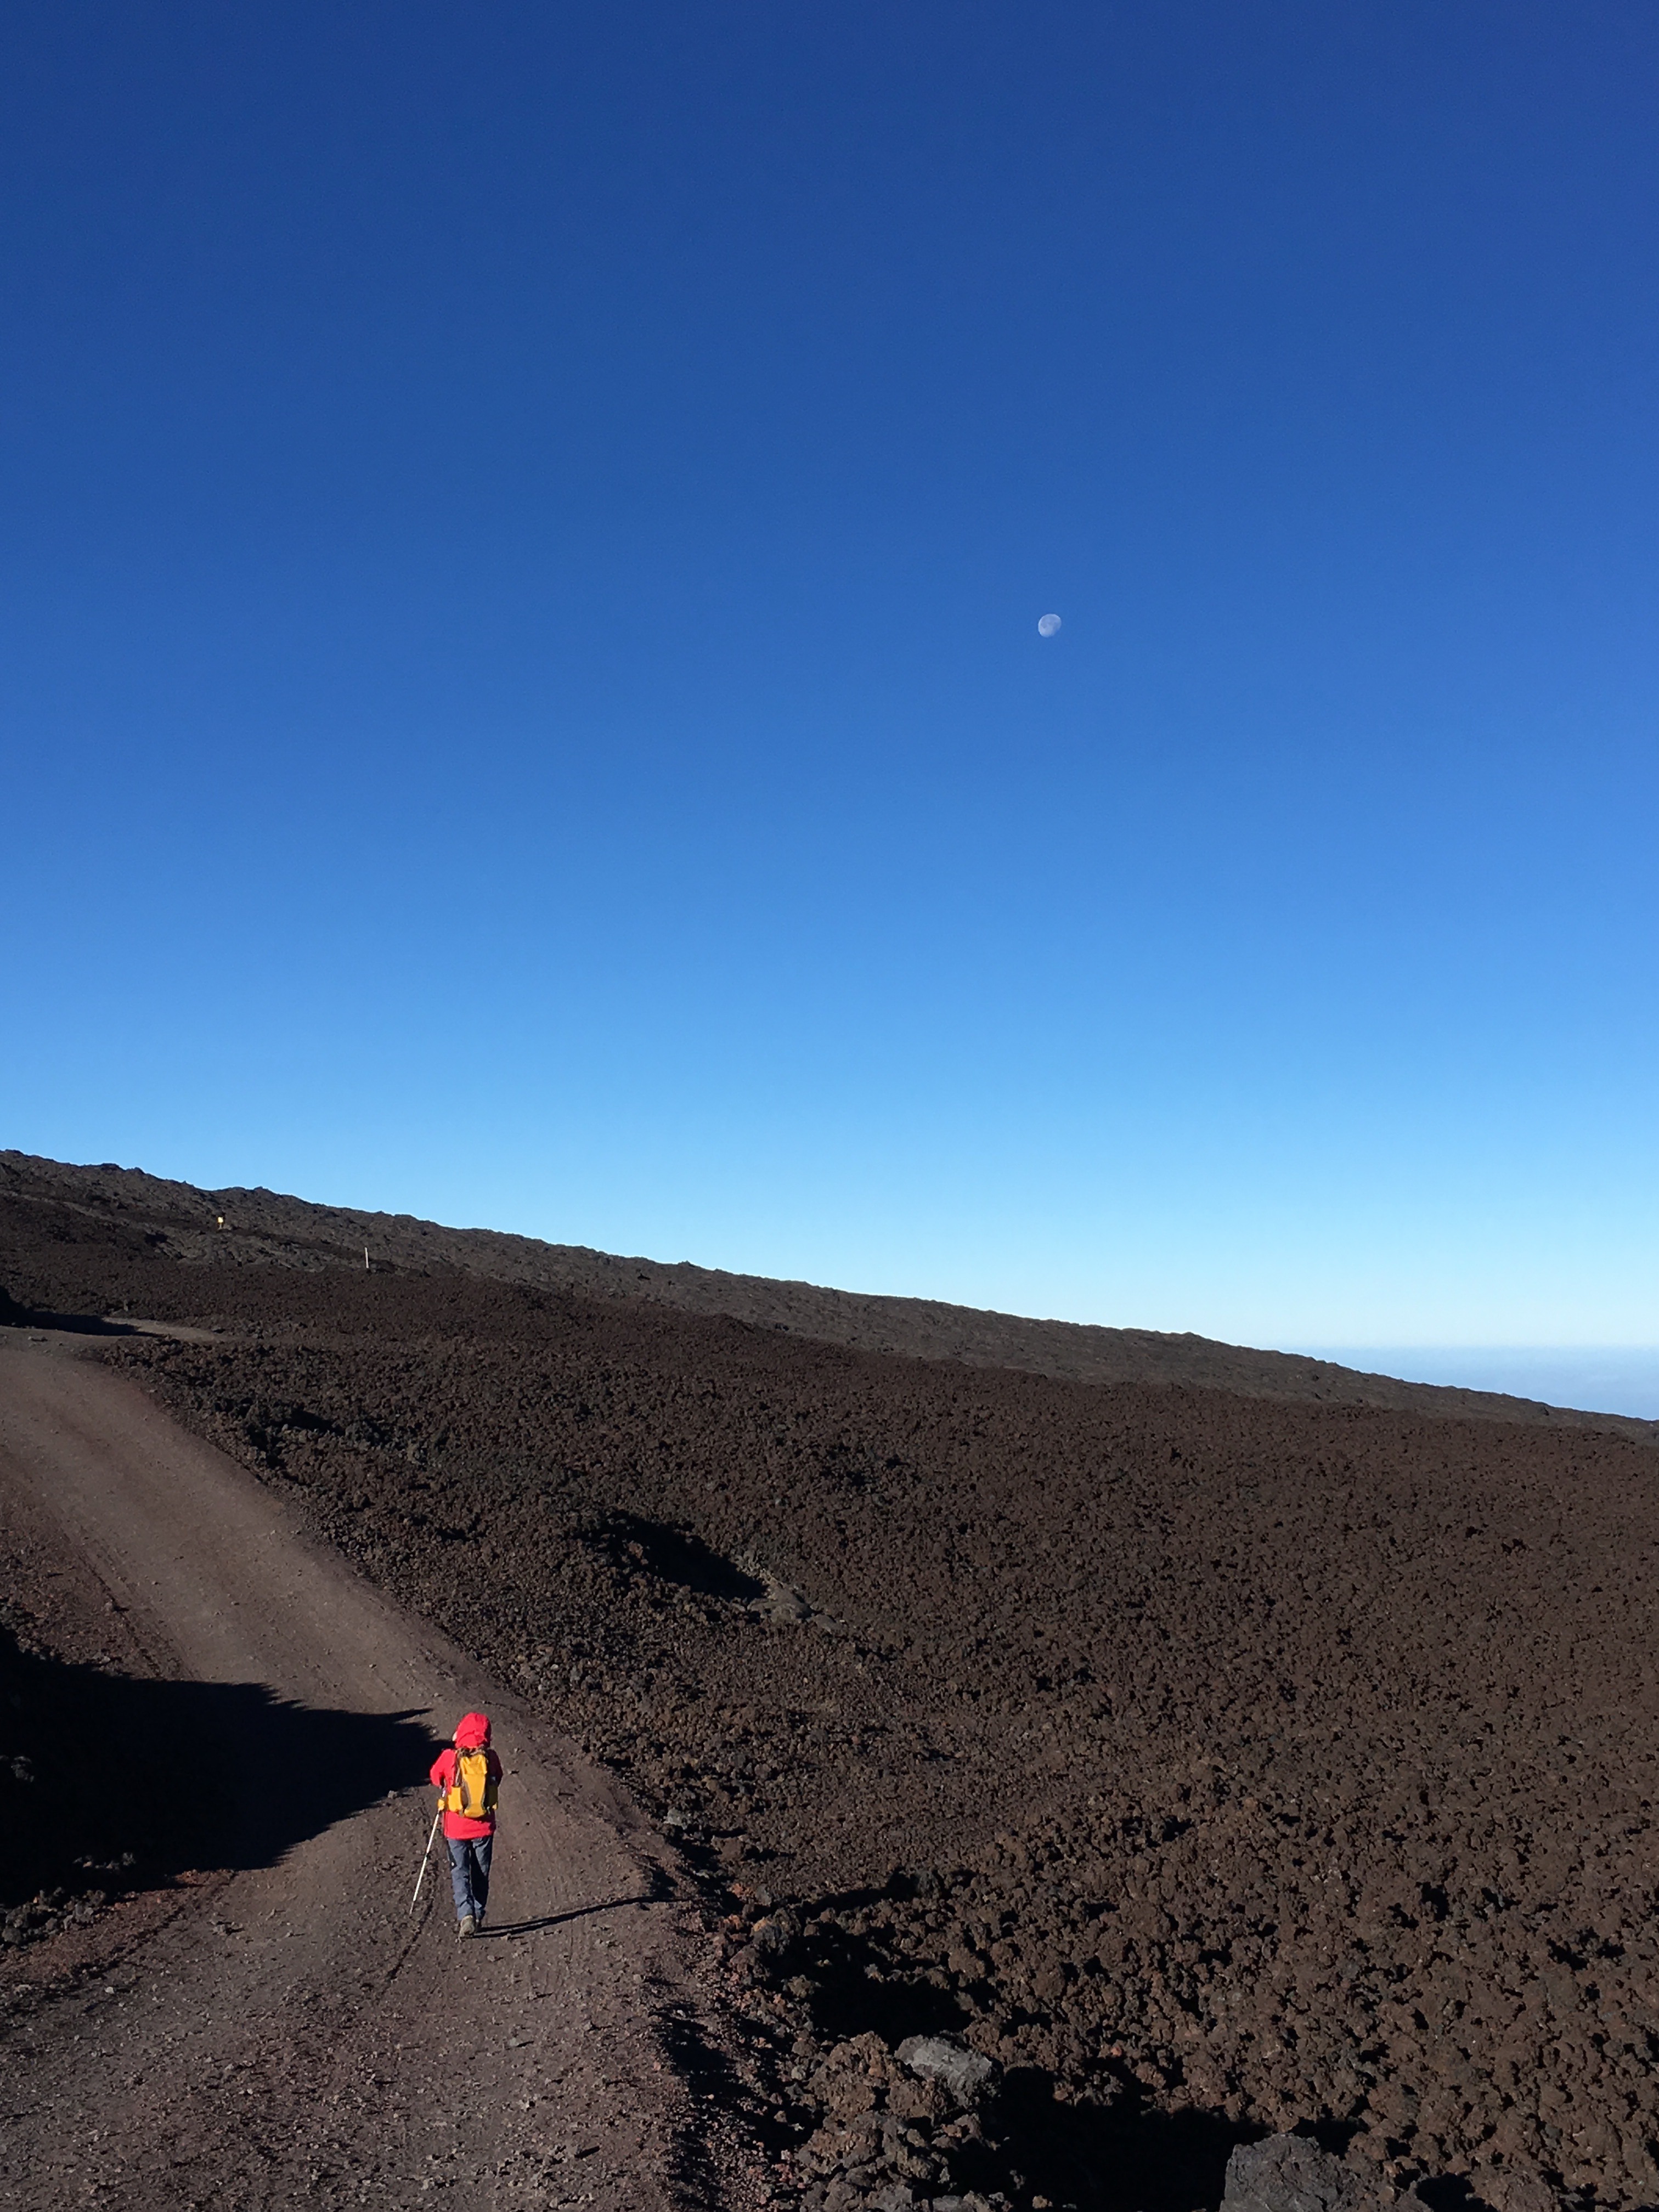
[[1048, 625]]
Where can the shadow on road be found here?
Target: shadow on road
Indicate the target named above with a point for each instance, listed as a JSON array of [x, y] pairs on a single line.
[[109, 1782], [557, 1919], [13, 1316]]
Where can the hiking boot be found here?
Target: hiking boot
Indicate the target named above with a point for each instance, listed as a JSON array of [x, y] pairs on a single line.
[[469, 1926]]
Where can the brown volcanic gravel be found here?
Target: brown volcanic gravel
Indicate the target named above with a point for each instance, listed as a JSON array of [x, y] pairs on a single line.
[[1217, 1758]]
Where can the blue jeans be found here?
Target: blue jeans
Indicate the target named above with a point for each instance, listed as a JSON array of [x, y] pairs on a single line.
[[469, 1874]]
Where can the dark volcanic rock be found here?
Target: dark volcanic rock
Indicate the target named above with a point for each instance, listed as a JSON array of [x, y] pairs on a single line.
[[1291, 2173], [129, 1220], [1212, 1763]]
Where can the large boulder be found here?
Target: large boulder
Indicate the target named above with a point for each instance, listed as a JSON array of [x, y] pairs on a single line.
[[1291, 2173], [967, 2075]]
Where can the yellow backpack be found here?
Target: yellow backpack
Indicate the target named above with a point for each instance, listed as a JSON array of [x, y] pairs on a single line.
[[472, 1793]]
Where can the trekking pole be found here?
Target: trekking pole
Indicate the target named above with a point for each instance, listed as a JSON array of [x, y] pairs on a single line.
[[425, 1855]]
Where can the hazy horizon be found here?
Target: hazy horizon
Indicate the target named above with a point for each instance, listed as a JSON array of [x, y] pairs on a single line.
[[1595, 1378]]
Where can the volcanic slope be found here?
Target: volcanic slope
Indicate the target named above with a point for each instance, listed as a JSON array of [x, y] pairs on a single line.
[[48, 1209], [1211, 1762]]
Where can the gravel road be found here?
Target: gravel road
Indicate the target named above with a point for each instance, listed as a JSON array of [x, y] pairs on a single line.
[[279, 2030]]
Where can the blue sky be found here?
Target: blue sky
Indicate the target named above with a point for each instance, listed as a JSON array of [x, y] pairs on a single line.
[[519, 691]]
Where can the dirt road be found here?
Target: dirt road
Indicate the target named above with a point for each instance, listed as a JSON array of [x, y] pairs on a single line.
[[278, 2029]]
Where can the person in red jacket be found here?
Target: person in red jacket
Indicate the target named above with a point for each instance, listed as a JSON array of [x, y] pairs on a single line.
[[466, 1776]]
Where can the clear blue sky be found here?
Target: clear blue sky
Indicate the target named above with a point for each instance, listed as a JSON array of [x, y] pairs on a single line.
[[523, 533]]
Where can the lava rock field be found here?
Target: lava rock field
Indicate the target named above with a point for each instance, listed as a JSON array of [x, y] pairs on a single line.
[[1212, 1765]]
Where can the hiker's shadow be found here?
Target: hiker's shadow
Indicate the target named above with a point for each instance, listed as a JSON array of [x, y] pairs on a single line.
[[113, 1782], [556, 1919], [658, 1887]]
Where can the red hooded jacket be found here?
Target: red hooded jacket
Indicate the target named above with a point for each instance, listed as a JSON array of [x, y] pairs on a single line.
[[472, 1734]]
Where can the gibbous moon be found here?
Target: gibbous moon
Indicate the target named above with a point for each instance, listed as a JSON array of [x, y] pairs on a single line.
[[1048, 625]]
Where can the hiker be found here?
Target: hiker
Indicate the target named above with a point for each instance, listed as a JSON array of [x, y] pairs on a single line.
[[466, 1775]]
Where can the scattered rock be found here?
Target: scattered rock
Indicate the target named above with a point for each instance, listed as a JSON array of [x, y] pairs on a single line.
[[781, 1602], [968, 2074], [1292, 2173]]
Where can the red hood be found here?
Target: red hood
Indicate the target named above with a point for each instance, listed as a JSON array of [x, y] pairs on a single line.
[[473, 1734]]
